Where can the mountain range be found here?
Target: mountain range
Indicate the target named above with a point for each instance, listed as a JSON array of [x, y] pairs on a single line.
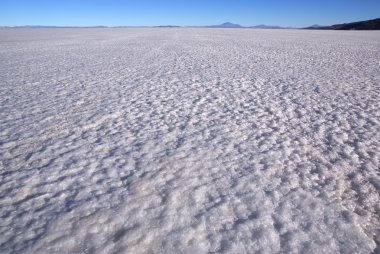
[[224, 25], [373, 24], [232, 25]]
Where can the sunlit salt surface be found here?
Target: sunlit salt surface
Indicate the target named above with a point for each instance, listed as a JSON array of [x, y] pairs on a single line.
[[189, 141]]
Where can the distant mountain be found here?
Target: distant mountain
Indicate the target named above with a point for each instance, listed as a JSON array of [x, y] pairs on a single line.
[[373, 24], [130, 27], [315, 26], [266, 27], [232, 25], [169, 26], [226, 25]]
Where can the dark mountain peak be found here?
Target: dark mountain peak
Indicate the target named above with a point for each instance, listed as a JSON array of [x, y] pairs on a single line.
[[373, 24]]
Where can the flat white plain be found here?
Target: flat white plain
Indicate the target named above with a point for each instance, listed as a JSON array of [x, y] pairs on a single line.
[[189, 141]]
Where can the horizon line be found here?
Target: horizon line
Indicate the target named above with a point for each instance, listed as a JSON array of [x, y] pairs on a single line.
[[222, 25]]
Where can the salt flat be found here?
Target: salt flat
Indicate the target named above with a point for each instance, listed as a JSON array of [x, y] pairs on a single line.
[[189, 141]]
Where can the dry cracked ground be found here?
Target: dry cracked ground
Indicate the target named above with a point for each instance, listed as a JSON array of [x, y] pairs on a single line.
[[189, 141]]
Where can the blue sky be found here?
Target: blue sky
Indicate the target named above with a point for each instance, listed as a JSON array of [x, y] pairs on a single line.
[[296, 13]]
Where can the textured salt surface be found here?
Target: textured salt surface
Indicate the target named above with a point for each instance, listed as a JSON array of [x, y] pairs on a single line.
[[189, 141]]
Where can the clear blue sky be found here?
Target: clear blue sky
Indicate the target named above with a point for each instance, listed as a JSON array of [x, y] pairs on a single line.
[[296, 13]]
